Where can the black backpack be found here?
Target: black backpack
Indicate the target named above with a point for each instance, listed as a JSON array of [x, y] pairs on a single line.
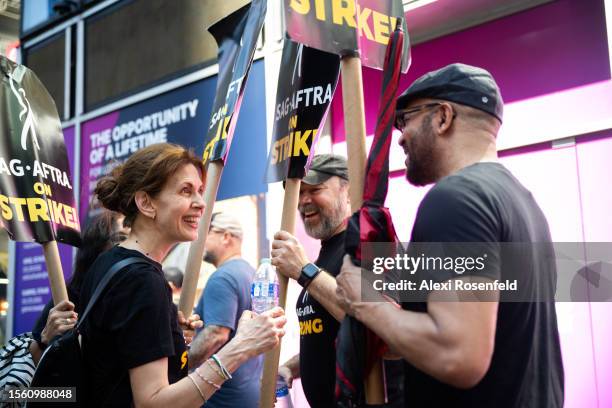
[[61, 365]]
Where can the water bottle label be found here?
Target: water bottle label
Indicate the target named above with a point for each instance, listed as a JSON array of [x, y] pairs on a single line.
[[264, 289], [275, 290], [255, 289]]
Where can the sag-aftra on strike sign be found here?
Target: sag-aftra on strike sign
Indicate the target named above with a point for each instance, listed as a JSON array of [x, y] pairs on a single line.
[[347, 27]]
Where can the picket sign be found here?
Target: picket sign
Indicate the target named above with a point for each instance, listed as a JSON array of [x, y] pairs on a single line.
[[236, 36], [357, 30], [36, 188]]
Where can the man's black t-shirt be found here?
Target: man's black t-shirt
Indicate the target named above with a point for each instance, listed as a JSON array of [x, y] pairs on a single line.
[[133, 323], [318, 331], [485, 203]]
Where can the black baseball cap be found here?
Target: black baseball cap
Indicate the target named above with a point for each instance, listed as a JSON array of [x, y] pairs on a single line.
[[459, 83], [324, 166]]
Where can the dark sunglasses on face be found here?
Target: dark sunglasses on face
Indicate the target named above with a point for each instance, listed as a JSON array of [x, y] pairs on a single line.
[[402, 117]]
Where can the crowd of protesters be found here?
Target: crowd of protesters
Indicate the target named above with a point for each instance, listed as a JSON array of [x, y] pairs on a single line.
[[440, 352]]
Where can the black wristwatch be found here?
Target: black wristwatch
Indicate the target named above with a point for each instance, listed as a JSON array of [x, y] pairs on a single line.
[[308, 273]]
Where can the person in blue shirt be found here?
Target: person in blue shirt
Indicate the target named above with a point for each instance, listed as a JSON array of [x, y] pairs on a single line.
[[226, 296]]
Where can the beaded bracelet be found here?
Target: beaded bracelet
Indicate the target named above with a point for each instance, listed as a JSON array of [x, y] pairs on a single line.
[[206, 380], [197, 388], [215, 369], [226, 373]]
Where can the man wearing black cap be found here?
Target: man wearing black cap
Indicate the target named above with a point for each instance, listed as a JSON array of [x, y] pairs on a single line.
[[324, 207], [467, 353]]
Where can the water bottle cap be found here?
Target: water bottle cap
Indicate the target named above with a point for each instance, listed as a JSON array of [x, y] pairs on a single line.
[[282, 391]]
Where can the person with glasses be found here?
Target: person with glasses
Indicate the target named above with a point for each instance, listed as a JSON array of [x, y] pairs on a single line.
[[226, 296], [468, 348]]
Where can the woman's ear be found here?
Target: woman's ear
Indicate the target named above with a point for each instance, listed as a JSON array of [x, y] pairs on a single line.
[[145, 204]]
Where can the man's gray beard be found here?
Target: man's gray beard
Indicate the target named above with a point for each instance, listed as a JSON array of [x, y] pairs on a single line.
[[210, 258], [328, 225]]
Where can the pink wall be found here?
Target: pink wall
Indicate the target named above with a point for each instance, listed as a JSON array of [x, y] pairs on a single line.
[[572, 185], [552, 48]]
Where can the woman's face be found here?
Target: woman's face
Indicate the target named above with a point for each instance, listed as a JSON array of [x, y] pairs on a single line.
[[119, 233], [179, 206]]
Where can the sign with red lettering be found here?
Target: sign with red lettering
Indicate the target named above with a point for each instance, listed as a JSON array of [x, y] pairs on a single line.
[[36, 190], [348, 27]]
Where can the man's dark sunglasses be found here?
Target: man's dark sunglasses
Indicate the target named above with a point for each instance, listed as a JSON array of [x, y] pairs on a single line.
[[400, 116]]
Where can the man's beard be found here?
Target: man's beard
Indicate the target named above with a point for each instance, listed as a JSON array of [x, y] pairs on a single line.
[[421, 156], [329, 220], [210, 257]]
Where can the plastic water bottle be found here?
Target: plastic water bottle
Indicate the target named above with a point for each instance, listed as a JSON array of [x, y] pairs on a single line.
[[283, 399], [264, 290]]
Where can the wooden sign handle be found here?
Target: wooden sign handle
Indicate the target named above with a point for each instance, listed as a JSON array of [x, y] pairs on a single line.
[[196, 250], [54, 270], [355, 130], [272, 357]]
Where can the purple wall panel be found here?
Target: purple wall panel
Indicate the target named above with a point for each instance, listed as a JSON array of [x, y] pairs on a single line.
[[554, 47], [549, 48]]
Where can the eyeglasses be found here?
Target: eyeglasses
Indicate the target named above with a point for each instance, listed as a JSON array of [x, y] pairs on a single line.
[[402, 117]]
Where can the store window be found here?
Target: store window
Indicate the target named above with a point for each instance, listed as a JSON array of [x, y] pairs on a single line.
[[139, 43], [47, 60], [37, 14]]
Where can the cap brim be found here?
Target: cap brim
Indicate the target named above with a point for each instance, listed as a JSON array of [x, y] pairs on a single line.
[[315, 177]]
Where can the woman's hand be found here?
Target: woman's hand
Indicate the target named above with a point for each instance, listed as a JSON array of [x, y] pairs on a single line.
[[189, 326], [62, 318], [259, 333]]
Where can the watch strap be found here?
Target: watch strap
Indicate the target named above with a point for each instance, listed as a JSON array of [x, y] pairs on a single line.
[[308, 273]]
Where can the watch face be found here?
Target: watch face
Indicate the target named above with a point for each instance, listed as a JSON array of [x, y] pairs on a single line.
[[310, 270]]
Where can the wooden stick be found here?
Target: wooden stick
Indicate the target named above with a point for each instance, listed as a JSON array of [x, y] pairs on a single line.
[[355, 129], [354, 125], [54, 270], [270, 370], [196, 250]]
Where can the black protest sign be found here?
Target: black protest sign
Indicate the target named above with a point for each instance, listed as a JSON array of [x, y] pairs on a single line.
[[236, 36], [36, 191], [347, 27], [306, 86]]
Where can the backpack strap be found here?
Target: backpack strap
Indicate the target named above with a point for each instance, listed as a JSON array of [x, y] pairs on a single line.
[[104, 282]]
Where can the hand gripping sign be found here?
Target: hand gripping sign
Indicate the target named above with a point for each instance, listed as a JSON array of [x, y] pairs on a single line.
[[236, 36], [352, 29], [306, 86], [36, 191]]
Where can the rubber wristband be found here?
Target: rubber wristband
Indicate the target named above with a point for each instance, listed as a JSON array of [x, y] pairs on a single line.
[[215, 369], [226, 373]]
